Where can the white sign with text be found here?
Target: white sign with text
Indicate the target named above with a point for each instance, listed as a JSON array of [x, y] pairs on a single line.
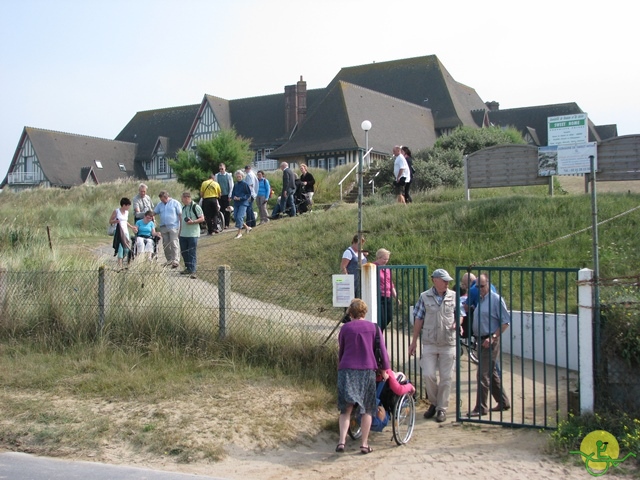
[[568, 129]]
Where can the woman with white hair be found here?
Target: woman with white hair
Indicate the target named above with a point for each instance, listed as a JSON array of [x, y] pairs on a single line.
[[241, 194]]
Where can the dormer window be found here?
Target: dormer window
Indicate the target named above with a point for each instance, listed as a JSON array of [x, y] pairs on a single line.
[[98, 163]]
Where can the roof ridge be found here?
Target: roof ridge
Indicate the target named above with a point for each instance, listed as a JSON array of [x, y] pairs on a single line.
[[397, 61], [75, 134], [400, 100], [538, 107], [191, 105], [274, 94]]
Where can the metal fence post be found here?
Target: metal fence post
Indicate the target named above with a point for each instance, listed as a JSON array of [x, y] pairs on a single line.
[[101, 297], [224, 299], [585, 339]]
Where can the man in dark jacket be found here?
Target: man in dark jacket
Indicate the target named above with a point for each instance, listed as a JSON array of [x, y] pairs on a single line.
[[287, 203]]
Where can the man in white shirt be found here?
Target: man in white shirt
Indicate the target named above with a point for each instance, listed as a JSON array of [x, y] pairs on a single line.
[[252, 180], [401, 173]]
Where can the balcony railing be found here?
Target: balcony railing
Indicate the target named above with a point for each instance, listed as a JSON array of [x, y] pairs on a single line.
[[25, 178]]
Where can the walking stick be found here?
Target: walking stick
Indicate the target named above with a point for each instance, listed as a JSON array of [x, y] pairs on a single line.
[[334, 329]]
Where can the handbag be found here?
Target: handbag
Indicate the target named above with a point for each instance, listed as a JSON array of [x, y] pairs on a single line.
[[376, 349], [111, 229]]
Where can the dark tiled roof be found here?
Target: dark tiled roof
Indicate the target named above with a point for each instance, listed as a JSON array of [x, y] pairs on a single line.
[[262, 119], [423, 81], [526, 118], [67, 159], [335, 125], [220, 108], [146, 126], [607, 131]]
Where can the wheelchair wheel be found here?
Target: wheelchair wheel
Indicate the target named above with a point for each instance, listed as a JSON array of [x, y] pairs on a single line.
[[403, 418], [355, 431], [472, 349], [219, 222]]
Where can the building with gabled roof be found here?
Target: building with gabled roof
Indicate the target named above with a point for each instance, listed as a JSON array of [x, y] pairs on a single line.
[[327, 144], [159, 135], [410, 101], [56, 159]]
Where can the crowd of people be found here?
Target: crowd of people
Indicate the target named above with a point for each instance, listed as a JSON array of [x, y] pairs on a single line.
[[181, 222], [483, 313]]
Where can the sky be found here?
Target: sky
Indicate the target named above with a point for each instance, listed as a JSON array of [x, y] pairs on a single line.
[[87, 66]]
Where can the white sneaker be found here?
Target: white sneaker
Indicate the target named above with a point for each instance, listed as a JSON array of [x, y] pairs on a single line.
[[238, 235]]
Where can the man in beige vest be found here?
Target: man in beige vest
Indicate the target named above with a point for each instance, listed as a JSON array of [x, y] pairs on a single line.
[[434, 315]]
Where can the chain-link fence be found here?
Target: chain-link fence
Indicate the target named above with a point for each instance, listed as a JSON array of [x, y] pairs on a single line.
[[148, 303], [617, 378]]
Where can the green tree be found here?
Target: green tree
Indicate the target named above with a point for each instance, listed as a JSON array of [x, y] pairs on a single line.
[[192, 168]]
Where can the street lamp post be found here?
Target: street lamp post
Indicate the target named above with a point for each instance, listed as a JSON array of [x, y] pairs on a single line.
[[366, 126]]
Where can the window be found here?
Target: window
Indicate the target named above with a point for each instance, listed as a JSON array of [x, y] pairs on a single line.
[[341, 160], [162, 165], [122, 167], [322, 163], [313, 163], [147, 166], [98, 163], [332, 163]]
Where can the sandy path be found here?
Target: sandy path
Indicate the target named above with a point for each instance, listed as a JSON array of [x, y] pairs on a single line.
[[436, 451]]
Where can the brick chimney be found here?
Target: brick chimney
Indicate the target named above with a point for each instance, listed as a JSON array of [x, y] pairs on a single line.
[[493, 106], [302, 100], [295, 105]]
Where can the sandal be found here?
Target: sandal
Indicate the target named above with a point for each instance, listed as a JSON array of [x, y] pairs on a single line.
[[365, 449], [340, 448]]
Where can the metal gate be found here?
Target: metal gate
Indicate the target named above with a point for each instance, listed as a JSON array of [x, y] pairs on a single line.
[[410, 282], [537, 362]]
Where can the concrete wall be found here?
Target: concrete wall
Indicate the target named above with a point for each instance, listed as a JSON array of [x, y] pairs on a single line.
[[543, 338]]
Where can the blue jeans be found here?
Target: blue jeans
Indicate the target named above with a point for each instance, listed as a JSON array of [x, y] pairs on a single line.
[[239, 211], [288, 205], [188, 246]]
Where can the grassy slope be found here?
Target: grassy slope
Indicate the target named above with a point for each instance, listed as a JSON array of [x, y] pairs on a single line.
[[438, 229]]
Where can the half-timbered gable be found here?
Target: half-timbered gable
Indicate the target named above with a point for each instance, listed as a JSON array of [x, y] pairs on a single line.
[[212, 117]]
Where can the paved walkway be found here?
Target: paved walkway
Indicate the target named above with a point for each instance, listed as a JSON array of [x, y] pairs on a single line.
[[21, 466]]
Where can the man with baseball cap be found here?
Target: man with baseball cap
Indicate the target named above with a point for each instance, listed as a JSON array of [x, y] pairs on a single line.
[[435, 319]]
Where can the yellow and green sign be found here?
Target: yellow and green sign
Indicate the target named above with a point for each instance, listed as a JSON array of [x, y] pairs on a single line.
[[600, 451]]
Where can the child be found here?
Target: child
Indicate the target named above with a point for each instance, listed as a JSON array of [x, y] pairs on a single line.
[[381, 418]]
